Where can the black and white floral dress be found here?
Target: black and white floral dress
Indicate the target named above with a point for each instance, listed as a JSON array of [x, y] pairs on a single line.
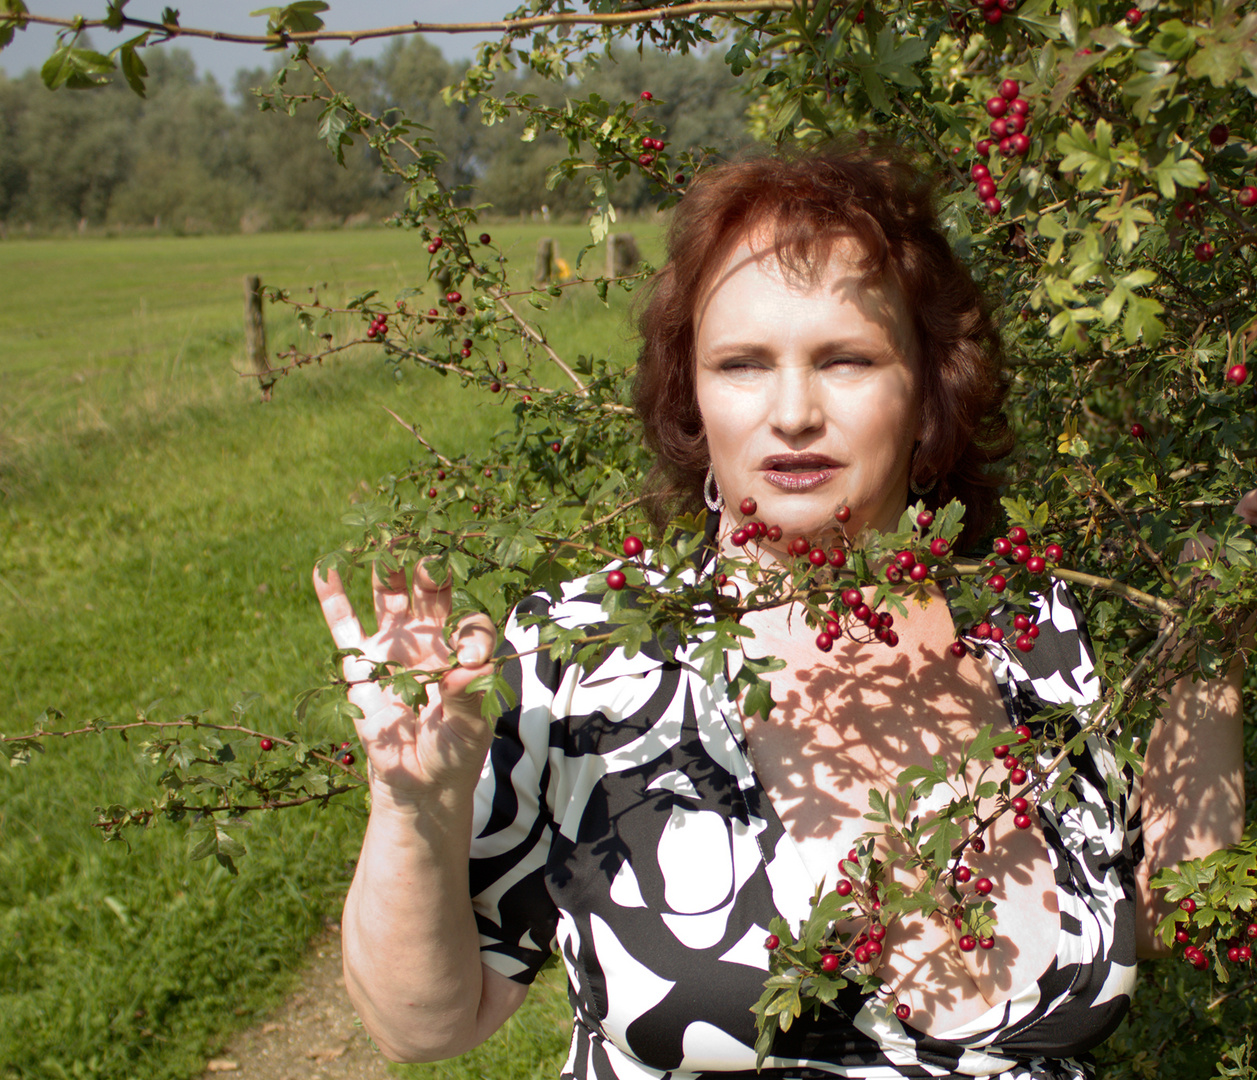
[[619, 821]]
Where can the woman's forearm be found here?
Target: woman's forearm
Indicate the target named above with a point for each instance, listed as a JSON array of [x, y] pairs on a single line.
[[412, 957], [1193, 783]]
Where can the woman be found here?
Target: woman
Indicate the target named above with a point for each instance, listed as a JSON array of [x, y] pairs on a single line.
[[812, 343]]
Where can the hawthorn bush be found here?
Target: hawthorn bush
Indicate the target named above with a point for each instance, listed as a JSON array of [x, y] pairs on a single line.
[[1093, 164]]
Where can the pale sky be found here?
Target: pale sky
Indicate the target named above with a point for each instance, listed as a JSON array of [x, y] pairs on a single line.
[[33, 46]]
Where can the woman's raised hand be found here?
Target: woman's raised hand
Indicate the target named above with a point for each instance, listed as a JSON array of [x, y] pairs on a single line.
[[413, 755]]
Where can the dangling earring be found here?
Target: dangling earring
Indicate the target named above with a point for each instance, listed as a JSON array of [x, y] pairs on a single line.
[[711, 493]]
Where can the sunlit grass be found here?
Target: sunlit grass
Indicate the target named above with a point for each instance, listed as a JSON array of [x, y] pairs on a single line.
[[157, 526]]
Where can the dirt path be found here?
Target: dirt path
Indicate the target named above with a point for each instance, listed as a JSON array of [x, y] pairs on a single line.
[[313, 1035]]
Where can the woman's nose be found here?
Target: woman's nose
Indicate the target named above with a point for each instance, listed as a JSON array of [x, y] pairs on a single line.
[[796, 406]]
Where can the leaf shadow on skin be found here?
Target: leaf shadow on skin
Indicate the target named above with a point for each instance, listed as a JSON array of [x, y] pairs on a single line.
[[854, 720]]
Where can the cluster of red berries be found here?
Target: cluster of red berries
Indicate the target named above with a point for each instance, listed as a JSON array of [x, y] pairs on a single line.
[[993, 11], [1017, 775], [378, 326], [435, 245], [1239, 950], [1010, 114], [345, 756], [650, 146], [455, 300]]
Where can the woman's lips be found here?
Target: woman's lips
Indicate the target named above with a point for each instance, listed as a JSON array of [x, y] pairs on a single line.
[[798, 472]]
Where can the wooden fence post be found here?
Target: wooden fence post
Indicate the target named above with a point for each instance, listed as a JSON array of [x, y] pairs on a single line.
[[254, 326], [543, 269], [622, 255]]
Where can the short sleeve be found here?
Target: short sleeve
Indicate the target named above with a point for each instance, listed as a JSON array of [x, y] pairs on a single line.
[[513, 823]]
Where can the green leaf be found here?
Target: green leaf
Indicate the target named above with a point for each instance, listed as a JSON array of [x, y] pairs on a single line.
[[133, 67], [77, 69]]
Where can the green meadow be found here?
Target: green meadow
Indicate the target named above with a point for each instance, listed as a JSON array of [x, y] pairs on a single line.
[[158, 524]]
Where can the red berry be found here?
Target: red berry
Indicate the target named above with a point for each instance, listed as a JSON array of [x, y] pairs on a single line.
[[999, 129], [993, 206], [431, 493], [862, 955], [433, 314], [1018, 535], [958, 649], [997, 106], [984, 148], [1134, 17], [843, 888], [906, 559], [739, 537], [829, 962], [799, 546], [1023, 733], [1181, 936], [894, 574], [939, 547], [1020, 805], [453, 296], [616, 580], [1187, 904], [1019, 107], [1237, 375], [816, 557], [646, 95], [267, 744], [983, 886], [873, 948], [495, 387], [967, 943], [1203, 251], [1250, 931], [1036, 564], [748, 507], [993, 15], [1021, 552], [979, 172], [925, 519], [645, 160], [852, 597], [842, 515], [863, 612], [824, 642], [997, 583], [1009, 89], [556, 447], [774, 533], [1233, 954], [963, 874], [1020, 143], [997, 635], [1053, 553], [1218, 134], [919, 572], [772, 941], [1021, 622], [1016, 777], [986, 189], [1033, 632], [902, 1011], [633, 546], [1247, 196], [1002, 546], [1246, 953], [1022, 821], [999, 751]]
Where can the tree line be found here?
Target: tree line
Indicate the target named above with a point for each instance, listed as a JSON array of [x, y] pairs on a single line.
[[186, 159]]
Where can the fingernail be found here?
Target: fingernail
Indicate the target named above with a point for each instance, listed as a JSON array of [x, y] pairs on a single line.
[[469, 655]]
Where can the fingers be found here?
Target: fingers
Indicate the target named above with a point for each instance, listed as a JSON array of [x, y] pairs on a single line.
[[429, 601], [338, 611], [1247, 508], [391, 597], [473, 643]]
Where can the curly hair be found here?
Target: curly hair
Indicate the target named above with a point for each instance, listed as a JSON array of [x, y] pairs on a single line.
[[804, 203]]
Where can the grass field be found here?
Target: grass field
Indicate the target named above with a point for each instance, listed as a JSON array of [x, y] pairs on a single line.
[[157, 526]]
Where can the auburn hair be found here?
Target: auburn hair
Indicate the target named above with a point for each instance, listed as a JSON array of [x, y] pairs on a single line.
[[802, 204]]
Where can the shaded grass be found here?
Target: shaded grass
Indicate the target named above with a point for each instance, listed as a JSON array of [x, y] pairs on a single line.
[[157, 525]]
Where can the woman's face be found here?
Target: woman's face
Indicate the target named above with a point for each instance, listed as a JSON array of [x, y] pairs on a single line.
[[810, 392]]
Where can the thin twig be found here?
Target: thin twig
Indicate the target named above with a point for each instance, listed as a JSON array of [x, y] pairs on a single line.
[[535, 335], [503, 26]]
